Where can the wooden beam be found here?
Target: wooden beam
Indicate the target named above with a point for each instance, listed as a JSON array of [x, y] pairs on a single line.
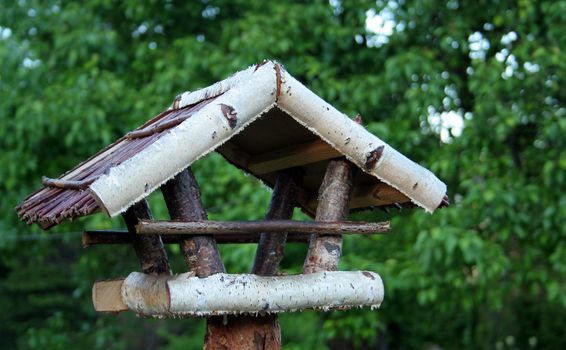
[[370, 196], [149, 249], [292, 156], [376, 195], [333, 205], [78, 185], [147, 227], [234, 154], [271, 247], [101, 237]]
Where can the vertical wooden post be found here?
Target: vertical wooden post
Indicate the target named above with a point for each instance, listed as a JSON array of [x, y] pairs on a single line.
[[182, 196], [271, 247], [333, 204], [152, 256], [149, 249], [262, 332]]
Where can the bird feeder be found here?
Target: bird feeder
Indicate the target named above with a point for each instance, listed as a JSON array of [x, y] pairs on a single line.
[[269, 125]]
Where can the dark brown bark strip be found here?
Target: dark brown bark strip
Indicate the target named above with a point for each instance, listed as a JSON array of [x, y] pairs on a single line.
[[334, 197], [444, 203], [182, 196], [149, 249], [138, 134], [269, 227], [271, 247], [67, 184], [92, 238]]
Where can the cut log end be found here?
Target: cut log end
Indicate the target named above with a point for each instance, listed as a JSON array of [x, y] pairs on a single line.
[[107, 296]]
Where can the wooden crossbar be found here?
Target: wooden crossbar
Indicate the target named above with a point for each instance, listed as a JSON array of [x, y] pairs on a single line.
[[164, 228], [99, 237]]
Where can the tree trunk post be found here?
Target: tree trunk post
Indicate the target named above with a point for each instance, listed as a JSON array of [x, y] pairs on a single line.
[[182, 196], [333, 204], [271, 247], [149, 249]]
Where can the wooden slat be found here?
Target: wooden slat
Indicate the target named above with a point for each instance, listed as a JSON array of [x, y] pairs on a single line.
[[376, 195], [234, 154], [370, 196], [296, 155], [101, 237], [147, 227]]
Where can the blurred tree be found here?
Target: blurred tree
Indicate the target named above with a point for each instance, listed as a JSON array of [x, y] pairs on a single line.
[[471, 90]]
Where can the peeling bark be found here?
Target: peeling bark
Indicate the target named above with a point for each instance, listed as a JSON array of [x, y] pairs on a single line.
[[67, 184], [230, 114], [333, 201], [149, 249], [373, 157]]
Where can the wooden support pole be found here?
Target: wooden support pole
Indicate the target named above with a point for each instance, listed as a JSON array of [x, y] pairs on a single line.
[[102, 237], [149, 249], [334, 197], [269, 228], [182, 197], [271, 247]]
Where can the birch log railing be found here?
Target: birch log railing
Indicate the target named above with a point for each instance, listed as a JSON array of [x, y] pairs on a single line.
[[225, 294]]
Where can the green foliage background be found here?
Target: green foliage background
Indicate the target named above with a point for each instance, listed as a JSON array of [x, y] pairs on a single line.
[[487, 272]]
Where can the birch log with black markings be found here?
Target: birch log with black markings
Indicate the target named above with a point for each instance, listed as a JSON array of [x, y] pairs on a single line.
[[271, 247], [236, 294], [334, 197], [182, 197], [149, 249]]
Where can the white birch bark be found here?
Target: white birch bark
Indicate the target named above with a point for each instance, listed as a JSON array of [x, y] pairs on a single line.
[[249, 94], [223, 294], [357, 144], [197, 136]]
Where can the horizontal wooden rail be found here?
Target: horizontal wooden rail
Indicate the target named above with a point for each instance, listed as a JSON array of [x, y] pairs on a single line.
[[98, 237], [236, 294], [269, 226]]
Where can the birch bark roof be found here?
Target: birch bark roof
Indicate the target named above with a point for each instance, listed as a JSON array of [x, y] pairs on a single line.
[[262, 120]]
